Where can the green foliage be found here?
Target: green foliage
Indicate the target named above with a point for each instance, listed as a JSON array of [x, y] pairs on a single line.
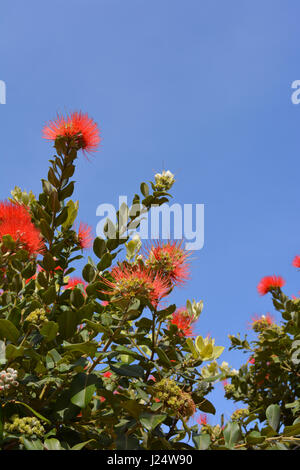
[[84, 367], [88, 371]]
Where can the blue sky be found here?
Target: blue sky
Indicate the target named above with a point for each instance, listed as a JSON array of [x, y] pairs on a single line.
[[202, 88]]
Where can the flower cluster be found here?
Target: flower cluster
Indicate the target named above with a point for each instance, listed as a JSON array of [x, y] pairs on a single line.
[[259, 324], [131, 281], [202, 419], [296, 261], [15, 221], [164, 181], [240, 414], [37, 317], [85, 237], [172, 397], [28, 426], [269, 283], [228, 388], [183, 320], [8, 379], [76, 127], [170, 260]]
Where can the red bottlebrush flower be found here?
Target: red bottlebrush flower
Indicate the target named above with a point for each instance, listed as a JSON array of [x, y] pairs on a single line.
[[251, 360], [77, 125], [85, 237], [183, 321], [269, 282], [137, 281], [107, 374], [9, 211], [15, 221], [170, 260], [202, 419], [74, 282], [296, 261]]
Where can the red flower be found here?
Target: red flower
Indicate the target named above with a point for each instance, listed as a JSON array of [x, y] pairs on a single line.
[[170, 260], [183, 321], [137, 281], [107, 374], [202, 419], [225, 383], [77, 125], [270, 282], [251, 360], [74, 282], [9, 211], [15, 220], [296, 261], [85, 237]]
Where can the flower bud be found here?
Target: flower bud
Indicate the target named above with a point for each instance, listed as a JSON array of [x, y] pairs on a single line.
[[164, 181]]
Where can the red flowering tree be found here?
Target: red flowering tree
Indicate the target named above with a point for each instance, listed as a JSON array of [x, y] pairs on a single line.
[[99, 360], [268, 384]]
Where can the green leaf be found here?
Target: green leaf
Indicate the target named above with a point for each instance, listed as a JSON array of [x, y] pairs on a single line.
[[52, 358], [49, 295], [88, 273], [150, 421], [86, 347], [12, 352], [99, 247], [97, 327], [232, 434], [67, 191], [293, 430], [81, 445], [128, 370], [105, 262], [72, 214], [38, 415], [67, 322], [145, 189], [49, 330], [32, 445], [192, 348], [8, 331], [163, 357], [217, 351], [273, 416], [201, 441], [62, 217], [206, 406], [82, 389], [53, 444], [254, 437], [46, 230], [77, 297]]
